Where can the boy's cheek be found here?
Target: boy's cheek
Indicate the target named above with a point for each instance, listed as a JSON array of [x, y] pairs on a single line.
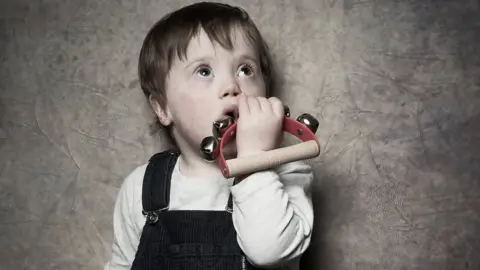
[[254, 88], [190, 119], [197, 125]]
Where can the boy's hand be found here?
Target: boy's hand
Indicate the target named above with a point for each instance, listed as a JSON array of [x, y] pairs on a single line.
[[259, 126]]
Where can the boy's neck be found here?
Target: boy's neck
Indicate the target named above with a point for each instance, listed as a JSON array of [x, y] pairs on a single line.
[[192, 164]]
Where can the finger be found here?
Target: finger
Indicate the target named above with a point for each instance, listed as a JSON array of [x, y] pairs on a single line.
[[243, 108], [265, 104], [253, 104], [277, 106]]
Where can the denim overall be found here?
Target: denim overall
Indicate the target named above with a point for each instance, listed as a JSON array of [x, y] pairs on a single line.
[[183, 240]]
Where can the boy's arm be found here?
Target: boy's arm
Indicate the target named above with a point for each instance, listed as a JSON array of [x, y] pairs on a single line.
[[126, 235], [273, 213]]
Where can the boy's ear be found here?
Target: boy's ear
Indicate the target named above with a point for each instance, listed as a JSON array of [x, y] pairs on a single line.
[[163, 114]]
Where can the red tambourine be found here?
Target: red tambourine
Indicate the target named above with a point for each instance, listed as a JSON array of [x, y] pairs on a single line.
[[303, 128]]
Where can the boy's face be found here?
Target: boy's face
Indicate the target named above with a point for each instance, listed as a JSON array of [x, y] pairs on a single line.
[[206, 84]]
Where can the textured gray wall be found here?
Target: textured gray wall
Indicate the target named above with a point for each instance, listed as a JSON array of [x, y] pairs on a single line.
[[395, 85]]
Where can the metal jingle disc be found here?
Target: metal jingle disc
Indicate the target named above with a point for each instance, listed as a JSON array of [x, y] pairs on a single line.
[[286, 110], [309, 121], [208, 148], [221, 125]]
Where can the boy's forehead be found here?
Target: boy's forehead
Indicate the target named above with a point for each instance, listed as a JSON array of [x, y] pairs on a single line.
[[202, 46]]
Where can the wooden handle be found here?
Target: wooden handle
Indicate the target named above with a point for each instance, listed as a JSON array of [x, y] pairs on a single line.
[[272, 158]]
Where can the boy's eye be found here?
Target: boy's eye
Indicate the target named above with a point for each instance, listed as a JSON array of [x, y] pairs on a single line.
[[204, 71], [246, 70]]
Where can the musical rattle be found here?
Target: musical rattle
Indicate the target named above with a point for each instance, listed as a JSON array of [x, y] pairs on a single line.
[[224, 129]]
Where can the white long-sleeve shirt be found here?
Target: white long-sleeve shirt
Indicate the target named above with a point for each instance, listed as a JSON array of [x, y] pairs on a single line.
[[272, 212]]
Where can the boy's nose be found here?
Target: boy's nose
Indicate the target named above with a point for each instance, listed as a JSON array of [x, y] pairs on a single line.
[[231, 90]]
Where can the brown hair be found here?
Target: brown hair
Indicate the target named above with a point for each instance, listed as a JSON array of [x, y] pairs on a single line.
[[171, 35]]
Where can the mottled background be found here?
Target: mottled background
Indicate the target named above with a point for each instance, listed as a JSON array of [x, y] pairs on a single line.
[[395, 85]]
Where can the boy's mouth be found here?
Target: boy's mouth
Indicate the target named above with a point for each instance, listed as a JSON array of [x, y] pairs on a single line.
[[228, 117], [232, 112]]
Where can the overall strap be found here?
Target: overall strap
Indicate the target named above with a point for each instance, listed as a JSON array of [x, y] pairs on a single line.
[[229, 207], [156, 184]]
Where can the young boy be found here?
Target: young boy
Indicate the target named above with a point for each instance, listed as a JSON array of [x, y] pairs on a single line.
[[178, 212]]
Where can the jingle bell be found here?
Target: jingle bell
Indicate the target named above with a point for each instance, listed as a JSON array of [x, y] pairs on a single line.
[[208, 148], [309, 121], [220, 126], [286, 110]]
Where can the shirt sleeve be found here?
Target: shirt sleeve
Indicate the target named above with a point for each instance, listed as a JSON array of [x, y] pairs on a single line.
[[126, 234], [273, 214]]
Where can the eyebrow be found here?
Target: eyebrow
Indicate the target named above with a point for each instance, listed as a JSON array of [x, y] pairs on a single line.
[[248, 57], [197, 60], [241, 57]]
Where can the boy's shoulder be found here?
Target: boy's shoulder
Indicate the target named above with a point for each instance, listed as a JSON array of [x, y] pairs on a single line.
[[294, 166], [135, 178]]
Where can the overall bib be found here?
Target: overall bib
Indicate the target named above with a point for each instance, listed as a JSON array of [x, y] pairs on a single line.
[[183, 240]]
